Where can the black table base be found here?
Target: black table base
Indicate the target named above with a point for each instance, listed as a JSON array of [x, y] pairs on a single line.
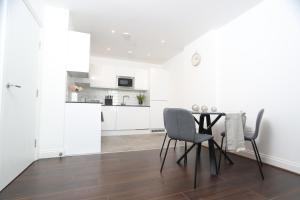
[[212, 143]]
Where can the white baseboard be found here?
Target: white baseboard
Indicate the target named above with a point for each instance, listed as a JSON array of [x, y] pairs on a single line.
[[274, 161], [126, 132], [271, 160], [49, 153]]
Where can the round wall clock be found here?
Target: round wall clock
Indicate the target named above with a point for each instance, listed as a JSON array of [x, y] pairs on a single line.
[[196, 59]]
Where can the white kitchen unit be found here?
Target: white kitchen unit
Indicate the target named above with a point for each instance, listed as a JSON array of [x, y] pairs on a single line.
[[132, 117], [105, 76], [110, 118], [82, 128], [78, 51], [159, 84], [141, 79], [159, 88], [156, 114]]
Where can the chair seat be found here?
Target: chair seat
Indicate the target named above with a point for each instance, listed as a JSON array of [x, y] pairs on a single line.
[[202, 137], [247, 135]]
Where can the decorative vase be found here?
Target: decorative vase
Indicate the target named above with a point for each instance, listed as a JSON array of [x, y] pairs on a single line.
[[74, 96], [140, 102], [195, 108], [213, 109], [204, 108]]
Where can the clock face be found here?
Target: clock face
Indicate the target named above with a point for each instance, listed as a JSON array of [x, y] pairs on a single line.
[[196, 59]]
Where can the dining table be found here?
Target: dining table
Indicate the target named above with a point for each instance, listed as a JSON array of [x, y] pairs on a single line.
[[200, 118]]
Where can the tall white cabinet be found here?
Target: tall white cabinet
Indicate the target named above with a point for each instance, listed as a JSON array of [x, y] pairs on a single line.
[[159, 90]]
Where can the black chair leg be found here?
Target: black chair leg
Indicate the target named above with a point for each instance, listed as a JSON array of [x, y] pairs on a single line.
[[163, 144], [175, 144], [257, 159], [163, 163], [185, 157], [220, 157], [186, 152], [257, 153], [196, 164]]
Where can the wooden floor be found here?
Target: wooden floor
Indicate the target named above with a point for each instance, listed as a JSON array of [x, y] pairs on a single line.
[[135, 176]]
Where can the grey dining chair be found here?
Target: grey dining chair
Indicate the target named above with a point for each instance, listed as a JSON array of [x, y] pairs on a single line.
[[180, 125], [250, 136]]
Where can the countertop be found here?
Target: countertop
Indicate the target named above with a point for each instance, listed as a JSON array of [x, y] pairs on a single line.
[[128, 105], [108, 105]]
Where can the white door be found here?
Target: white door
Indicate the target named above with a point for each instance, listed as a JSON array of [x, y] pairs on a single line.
[[19, 102]]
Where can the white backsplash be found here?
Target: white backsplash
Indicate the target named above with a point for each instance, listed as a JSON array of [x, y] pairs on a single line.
[[98, 94]]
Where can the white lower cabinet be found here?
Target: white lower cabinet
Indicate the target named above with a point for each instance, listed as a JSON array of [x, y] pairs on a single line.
[[118, 118], [110, 118], [130, 117], [82, 128]]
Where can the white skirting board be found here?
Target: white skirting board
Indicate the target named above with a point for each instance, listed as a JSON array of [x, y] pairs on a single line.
[[271, 160], [274, 161], [126, 132], [49, 153]]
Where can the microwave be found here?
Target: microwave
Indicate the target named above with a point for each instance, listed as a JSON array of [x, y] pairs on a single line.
[[125, 82]]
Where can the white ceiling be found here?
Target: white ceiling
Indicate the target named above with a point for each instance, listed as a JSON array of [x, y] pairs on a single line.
[[178, 22]]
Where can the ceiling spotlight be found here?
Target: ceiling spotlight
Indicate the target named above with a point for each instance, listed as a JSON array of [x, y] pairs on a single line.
[[163, 41], [108, 49], [113, 31], [126, 35], [149, 54], [130, 52]]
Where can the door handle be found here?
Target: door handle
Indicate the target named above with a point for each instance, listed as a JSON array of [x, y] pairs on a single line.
[[8, 85]]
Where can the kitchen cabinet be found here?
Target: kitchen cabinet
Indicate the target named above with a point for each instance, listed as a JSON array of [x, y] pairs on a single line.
[[131, 117], [141, 79], [156, 114], [78, 57], [103, 76], [110, 118], [82, 128], [159, 84]]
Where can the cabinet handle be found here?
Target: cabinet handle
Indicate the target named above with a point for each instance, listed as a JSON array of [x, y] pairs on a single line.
[[8, 85]]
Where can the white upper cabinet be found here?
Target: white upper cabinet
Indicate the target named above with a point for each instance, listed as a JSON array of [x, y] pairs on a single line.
[[159, 84], [78, 51], [103, 76], [141, 79]]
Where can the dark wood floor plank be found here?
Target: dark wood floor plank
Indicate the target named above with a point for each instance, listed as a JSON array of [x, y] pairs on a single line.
[[136, 176]]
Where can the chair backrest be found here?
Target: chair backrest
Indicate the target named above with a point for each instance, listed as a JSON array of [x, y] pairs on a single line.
[[258, 122], [179, 124]]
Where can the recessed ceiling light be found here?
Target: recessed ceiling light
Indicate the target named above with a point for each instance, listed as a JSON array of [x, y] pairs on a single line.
[[149, 54], [130, 52], [163, 41], [126, 35], [108, 48], [93, 78], [113, 31]]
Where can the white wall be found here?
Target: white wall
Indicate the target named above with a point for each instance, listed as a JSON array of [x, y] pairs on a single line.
[[3, 7], [53, 82], [194, 85], [257, 66]]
